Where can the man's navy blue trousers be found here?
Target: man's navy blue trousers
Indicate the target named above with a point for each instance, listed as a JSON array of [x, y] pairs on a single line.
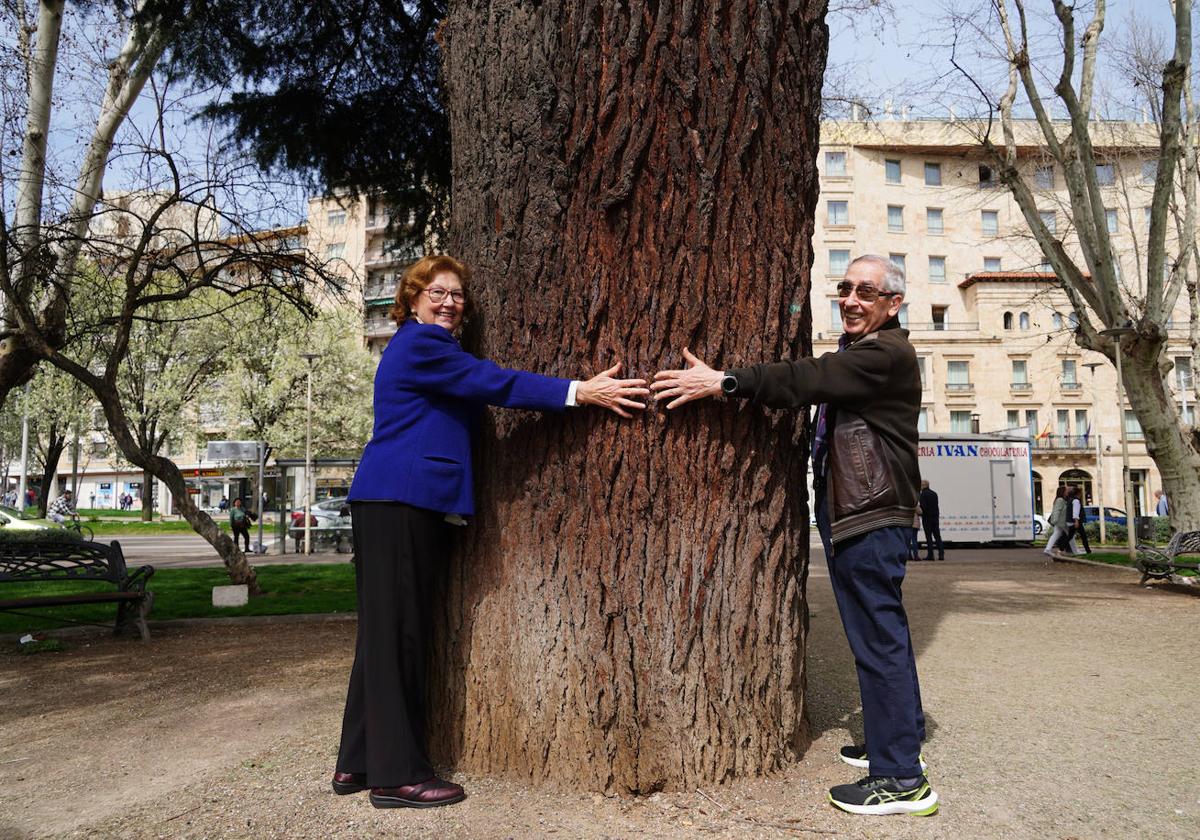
[[866, 573]]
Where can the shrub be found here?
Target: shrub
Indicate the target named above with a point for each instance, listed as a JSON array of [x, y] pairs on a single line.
[[49, 535]]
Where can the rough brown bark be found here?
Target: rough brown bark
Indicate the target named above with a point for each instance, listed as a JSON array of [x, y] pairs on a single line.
[[56, 442], [628, 610]]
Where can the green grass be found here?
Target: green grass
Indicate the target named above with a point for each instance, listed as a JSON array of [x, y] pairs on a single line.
[[187, 593], [102, 528], [1121, 558]]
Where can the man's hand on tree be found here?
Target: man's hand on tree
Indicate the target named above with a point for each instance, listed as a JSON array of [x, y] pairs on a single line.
[[695, 382]]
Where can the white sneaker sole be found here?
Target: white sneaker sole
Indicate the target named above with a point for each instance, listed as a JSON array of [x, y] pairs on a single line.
[[920, 808], [864, 764]]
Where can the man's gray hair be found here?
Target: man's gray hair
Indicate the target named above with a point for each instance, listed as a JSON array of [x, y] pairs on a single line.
[[893, 275]]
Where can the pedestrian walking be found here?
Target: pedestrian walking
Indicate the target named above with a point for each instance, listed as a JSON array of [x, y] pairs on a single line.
[[239, 523], [1161, 506], [1059, 514], [931, 521], [1078, 530]]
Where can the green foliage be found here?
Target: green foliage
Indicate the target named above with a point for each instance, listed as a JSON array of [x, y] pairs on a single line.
[[265, 381], [346, 92], [187, 593]]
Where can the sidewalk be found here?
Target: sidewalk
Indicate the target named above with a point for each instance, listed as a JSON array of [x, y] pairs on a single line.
[[1059, 700]]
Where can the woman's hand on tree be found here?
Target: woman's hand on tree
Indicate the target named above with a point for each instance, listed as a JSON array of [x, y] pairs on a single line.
[[614, 394]]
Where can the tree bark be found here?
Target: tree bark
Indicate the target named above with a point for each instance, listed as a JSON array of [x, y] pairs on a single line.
[[147, 496], [56, 442], [628, 610]]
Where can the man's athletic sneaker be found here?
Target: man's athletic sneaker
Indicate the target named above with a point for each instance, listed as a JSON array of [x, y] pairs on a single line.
[[885, 795], [856, 756]]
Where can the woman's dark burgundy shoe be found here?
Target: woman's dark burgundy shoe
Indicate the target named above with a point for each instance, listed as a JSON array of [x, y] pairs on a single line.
[[344, 783], [431, 793]]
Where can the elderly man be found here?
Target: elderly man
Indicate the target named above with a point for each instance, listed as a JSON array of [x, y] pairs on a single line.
[[865, 476]]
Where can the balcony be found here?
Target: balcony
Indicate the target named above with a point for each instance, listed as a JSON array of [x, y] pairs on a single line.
[[960, 387], [1069, 387], [1021, 387], [937, 326], [399, 256], [1064, 443], [378, 327], [379, 292]]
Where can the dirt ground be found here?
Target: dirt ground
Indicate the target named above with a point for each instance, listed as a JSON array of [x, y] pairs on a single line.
[[1061, 703]]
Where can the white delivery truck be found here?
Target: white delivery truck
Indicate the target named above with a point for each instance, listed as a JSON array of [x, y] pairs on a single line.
[[984, 485]]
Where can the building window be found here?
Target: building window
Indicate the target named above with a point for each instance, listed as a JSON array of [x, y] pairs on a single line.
[[891, 171], [1082, 427], [990, 219], [1023, 321], [835, 164], [1049, 219], [839, 261], [991, 263], [902, 315], [1133, 429], [1063, 416], [1149, 171], [1056, 320], [1069, 375], [937, 269], [839, 212], [940, 318], [960, 422], [1110, 219], [921, 363], [934, 222], [1008, 320], [897, 260], [958, 375], [835, 316], [1013, 419], [1183, 372], [1106, 174], [1020, 372], [1031, 421], [1187, 413], [1043, 177], [335, 250], [895, 218], [335, 218], [987, 177], [933, 174], [1073, 321], [923, 420]]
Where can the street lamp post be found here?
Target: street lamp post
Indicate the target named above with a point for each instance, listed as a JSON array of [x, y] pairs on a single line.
[[1091, 366], [1116, 334], [308, 482]]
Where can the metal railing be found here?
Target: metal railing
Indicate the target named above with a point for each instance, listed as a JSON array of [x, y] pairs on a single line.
[[1021, 387], [1065, 442], [935, 326], [960, 387]]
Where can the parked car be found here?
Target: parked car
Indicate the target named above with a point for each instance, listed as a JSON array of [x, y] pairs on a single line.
[[1115, 516], [1041, 525], [12, 519], [327, 514]]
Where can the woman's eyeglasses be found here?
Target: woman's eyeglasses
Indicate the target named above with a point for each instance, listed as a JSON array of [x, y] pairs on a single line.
[[867, 294], [437, 294]]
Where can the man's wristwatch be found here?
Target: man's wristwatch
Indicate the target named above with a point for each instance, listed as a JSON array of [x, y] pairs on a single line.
[[729, 384]]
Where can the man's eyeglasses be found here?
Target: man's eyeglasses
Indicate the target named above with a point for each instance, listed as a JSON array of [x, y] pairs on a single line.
[[437, 294], [867, 294]]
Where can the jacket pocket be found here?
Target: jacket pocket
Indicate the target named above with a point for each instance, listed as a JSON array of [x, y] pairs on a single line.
[[863, 477]]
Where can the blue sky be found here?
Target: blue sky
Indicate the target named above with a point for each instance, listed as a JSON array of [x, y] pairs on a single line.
[[905, 57]]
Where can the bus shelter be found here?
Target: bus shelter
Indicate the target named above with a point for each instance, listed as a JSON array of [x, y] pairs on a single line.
[[331, 478]]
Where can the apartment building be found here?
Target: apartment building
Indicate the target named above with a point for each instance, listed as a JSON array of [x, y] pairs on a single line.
[[992, 329], [355, 236]]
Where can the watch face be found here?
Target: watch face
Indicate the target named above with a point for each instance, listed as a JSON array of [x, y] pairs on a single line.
[[729, 383]]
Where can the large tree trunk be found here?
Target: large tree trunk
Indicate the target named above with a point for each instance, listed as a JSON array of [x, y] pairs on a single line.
[[628, 612], [1174, 447]]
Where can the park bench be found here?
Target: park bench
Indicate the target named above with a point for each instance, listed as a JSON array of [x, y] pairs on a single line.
[[1161, 563], [35, 561], [339, 537]]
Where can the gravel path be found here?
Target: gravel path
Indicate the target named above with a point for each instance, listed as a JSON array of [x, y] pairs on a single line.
[[1060, 700]]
